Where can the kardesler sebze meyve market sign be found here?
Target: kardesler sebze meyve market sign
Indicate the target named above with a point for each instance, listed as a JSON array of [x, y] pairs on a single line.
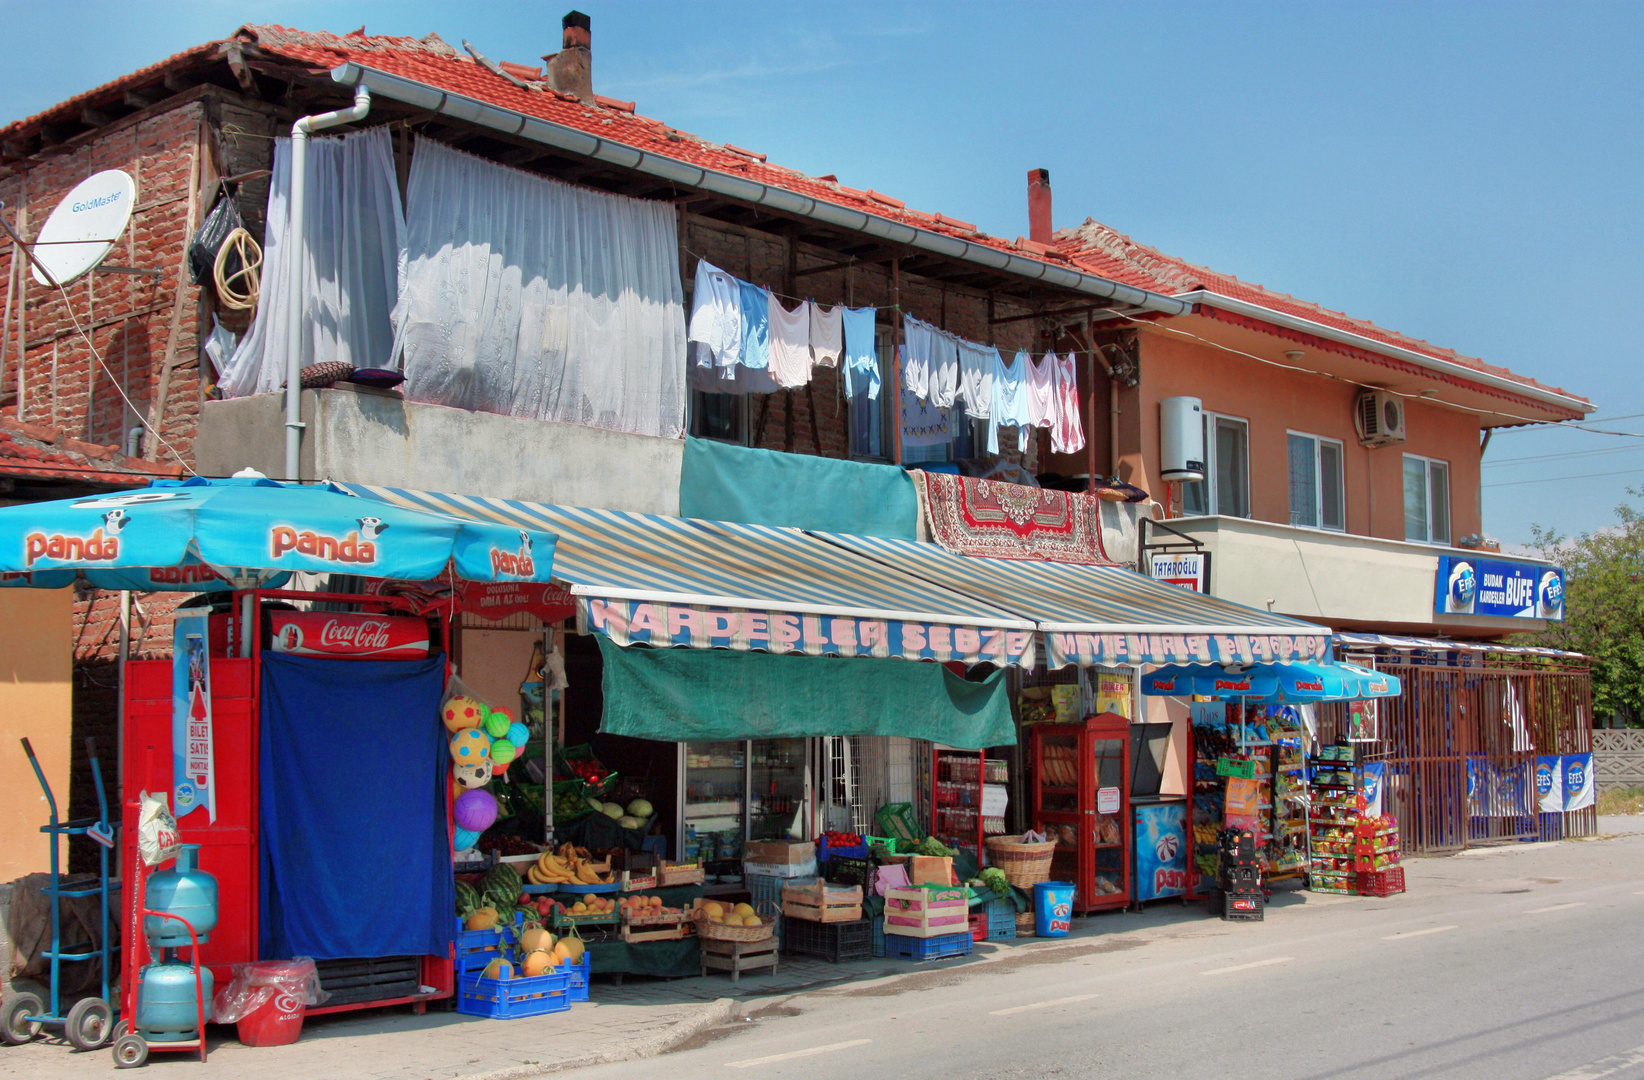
[[1467, 585]]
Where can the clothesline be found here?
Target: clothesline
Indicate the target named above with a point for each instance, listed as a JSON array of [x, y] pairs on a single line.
[[898, 308]]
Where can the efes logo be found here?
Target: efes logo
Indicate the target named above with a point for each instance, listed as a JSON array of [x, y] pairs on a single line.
[[514, 563], [1544, 778], [1550, 596], [357, 547], [1463, 588], [100, 546], [1575, 777]]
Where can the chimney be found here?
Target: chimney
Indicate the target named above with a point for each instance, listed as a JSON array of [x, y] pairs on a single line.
[[1039, 205], [571, 70]]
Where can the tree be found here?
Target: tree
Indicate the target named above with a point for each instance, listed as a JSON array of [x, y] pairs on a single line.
[[1603, 607]]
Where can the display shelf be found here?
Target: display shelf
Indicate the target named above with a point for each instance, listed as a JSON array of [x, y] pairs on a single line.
[[1095, 755]]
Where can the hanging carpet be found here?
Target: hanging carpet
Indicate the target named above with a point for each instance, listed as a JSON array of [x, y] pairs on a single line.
[[969, 516]]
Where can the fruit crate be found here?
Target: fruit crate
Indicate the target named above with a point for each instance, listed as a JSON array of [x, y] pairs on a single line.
[[560, 921], [512, 999], [1001, 919], [487, 943], [1381, 882], [836, 942], [849, 870], [934, 948], [579, 974], [822, 903]]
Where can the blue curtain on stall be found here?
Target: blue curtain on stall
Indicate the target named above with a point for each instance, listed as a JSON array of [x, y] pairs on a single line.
[[356, 861]]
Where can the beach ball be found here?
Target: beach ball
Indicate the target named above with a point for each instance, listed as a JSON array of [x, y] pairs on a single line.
[[463, 712], [497, 723], [475, 810], [470, 745], [465, 839], [519, 734], [502, 752]]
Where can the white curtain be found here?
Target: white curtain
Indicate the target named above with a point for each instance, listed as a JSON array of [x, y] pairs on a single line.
[[354, 228], [531, 297]]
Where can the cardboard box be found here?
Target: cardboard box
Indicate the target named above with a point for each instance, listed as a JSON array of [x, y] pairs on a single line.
[[779, 852], [930, 870]]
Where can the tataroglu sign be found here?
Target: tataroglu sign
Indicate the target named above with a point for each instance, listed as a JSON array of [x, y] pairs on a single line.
[[628, 621]]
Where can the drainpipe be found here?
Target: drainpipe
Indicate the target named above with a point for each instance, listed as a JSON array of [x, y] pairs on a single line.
[[294, 228]]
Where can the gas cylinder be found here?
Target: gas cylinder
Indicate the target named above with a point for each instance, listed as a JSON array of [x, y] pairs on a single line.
[[185, 891], [165, 1005]]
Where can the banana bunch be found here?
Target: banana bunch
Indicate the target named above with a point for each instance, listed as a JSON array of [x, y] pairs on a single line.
[[569, 865]]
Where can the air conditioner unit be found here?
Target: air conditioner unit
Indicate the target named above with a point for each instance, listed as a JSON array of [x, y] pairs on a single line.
[[1379, 417]]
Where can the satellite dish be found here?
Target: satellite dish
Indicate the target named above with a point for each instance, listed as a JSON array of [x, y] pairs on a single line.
[[84, 226]]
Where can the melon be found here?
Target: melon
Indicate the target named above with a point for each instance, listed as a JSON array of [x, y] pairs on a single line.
[[640, 808], [743, 909], [574, 949], [628, 821], [612, 810], [714, 909], [536, 962], [536, 939], [498, 969], [595, 804], [483, 919]]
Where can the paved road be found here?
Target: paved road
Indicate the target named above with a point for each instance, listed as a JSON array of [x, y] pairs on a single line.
[[1520, 963]]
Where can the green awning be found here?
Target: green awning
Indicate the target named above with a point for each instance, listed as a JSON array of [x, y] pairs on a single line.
[[677, 695]]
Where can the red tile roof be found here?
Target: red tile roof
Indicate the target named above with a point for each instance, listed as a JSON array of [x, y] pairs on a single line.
[[70, 109], [434, 63], [1098, 249], [34, 452]]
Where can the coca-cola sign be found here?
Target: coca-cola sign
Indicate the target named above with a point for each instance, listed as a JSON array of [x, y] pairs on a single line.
[[360, 637]]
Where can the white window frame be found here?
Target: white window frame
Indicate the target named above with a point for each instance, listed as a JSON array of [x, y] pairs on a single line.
[[1427, 497], [1318, 480], [1212, 493]]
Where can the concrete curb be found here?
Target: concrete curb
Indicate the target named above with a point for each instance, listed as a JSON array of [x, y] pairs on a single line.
[[645, 1046]]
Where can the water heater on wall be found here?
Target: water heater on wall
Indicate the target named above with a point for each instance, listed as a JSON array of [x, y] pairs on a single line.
[[1181, 439]]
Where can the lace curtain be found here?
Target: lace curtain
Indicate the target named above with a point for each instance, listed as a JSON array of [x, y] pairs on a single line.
[[355, 231], [530, 297]]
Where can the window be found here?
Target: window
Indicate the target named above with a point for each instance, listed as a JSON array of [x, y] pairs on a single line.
[[1226, 487], [1316, 483], [1426, 500], [718, 416], [870, 418]]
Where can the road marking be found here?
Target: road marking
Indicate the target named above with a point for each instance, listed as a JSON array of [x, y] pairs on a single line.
[[1247, 967], [1556, 907], [790, 1055], [1418, 933], [1043, 1005], [1609, 1066]]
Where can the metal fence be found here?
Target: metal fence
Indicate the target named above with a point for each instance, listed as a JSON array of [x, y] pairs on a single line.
[[1460, 747]]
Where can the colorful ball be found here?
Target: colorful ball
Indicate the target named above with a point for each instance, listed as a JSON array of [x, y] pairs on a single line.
[[462, 712], [465, 839], [471, 775], [475, 810], [470, 745], [496, 724], [519, 734], [502, 752], [499, 770]]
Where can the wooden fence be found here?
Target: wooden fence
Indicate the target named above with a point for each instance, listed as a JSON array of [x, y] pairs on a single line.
[[1460, 746]]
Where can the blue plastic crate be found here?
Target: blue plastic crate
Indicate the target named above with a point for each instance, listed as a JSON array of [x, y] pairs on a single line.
[[879, 935], [476, 948], [1001, 919], [934, 948], [579, 977], [824, 852], [510, 999]]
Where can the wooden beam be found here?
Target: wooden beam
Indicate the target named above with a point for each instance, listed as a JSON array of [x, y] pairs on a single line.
[[237, 65], [93, 117], [177, 82], [141, 97]]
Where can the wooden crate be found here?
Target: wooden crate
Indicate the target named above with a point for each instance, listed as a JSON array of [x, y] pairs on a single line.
[[688, 874], [821, 902], [738, 956], [656, 932], [926, 913]]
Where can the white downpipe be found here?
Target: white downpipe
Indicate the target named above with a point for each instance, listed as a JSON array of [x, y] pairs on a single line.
[[294, 228]]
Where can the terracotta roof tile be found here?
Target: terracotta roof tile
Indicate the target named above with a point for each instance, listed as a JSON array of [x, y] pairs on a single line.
[[33, 451], [1109, 253]]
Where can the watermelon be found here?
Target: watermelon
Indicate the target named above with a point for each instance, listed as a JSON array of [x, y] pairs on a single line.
[[467, 899], [502, 884]]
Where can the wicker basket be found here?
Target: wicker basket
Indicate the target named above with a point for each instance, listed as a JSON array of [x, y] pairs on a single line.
[[720, 932], [1025, 924], [1024, 865]]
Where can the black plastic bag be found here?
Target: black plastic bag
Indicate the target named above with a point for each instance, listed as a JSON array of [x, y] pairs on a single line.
[[223, 219]]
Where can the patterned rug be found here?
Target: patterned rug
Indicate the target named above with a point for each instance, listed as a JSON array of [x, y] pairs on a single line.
[[1010, 521]]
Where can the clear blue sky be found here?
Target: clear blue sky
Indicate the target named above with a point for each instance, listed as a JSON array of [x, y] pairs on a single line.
[[1470, 173]]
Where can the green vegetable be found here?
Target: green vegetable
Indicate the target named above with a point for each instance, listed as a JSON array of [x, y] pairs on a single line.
[[932, 846], [994, 879]]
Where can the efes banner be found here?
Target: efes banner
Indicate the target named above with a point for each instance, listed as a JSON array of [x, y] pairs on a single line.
[[1564, 783], [1474, 586]]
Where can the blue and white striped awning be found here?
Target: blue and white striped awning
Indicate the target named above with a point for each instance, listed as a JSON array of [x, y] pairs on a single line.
[[1106, 615], [681, 581]]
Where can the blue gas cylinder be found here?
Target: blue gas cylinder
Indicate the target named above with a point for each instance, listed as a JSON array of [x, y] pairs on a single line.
[[185, 891], [165, 1005]]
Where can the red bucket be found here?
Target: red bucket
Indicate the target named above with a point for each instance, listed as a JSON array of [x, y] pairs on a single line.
[[279, 1020]]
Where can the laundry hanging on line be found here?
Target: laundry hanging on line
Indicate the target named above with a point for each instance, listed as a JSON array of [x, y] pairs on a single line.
[[744, 340]]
